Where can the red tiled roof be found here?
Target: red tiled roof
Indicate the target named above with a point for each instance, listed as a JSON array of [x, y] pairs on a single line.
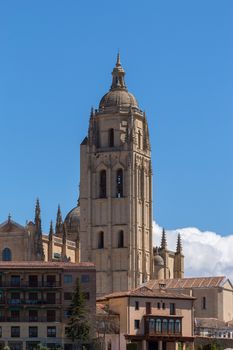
[[147, 292], [43, 264], [187, 283]]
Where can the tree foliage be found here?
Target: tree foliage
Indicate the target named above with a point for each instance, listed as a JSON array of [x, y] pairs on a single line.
[[78, 324]]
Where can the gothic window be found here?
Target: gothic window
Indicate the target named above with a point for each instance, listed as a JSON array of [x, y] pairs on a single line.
[[103, 184], [139, 139], [100, 240], [158, 326], [120, 242], [111, 137], [164, 326], [119, 183], [171, 326], [6, 254], [204, 303]]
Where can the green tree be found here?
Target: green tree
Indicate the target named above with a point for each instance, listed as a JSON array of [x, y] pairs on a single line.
[[78, 324]]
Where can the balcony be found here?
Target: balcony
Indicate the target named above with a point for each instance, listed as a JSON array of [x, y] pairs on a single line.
[[20, 285], [163, 326], [29, 302]]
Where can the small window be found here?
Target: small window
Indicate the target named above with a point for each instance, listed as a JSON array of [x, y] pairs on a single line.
[[103, 190], [51, 298], [139, 139], [136, 305], [204, 303], [111, 137], [6, 254], [119, 183], [15, 332], [33, 281], [33, 332], [100, 240], [172, 309], [51, 315], [158, 306], [68, 296], [51, 281], [120, 243], [51, 332], [85, 278], [67, 313], [33, 315], [68, 279], [136, 324], [163, 306], [15, 315], [32, 296], [148, 308], [15, 281], [0, 332]]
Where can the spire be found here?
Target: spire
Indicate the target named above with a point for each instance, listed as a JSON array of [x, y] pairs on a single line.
[[178, 244], [118, 74], [64, 233], [51, 232], [164, 240], [59, 221], [38, 232]]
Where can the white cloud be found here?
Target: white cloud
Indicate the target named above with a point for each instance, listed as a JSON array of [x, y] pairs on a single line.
[[206, 253]]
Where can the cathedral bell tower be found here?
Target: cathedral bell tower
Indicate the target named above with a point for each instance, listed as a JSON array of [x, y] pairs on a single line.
[[116, 191]]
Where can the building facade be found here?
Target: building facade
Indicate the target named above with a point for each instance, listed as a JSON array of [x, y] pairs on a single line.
[[35, 300], [153, 319]]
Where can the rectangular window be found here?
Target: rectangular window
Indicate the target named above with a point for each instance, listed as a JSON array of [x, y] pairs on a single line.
[[51, 281], [148, 308], [0, 332], [68, 279], [172, 309], [204, 303], [15, 298], [32, 298], [51, 315], [33, 315], [136, 324], [33, 281], [33, 332], [15, 281], [51, 298], [15, 316], [158, 306], [15, 346], [163, 306], [136, 305], [15, 332], [51, 332], [68, 296], [85, 278]]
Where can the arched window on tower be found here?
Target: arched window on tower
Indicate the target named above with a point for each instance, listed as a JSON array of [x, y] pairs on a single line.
[[119, 183], [139, 139], [100, 240], [103, 184], [120, 243], [6, 254], [111, 137]]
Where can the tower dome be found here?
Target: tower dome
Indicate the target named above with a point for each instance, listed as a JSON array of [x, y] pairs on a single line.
[[118, 94], [72, 219]]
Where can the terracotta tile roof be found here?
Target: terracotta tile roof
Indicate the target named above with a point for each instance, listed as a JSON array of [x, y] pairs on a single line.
[[147, 292], [209, 323], [43, 264], [187, 283]]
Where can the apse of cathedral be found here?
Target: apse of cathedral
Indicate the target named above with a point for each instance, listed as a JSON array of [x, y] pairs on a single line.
[[112, 222]]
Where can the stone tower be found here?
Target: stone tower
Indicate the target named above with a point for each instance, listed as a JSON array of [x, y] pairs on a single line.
[[116, 191]]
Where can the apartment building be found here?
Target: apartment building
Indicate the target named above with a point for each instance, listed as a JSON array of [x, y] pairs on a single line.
[[34, 301]]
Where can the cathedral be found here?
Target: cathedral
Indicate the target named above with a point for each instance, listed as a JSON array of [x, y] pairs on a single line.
[[111, 225]]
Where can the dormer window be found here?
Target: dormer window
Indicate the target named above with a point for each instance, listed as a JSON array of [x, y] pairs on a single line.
[[111, 137]]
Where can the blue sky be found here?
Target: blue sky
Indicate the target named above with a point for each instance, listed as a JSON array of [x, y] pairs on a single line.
[[55, 63]]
